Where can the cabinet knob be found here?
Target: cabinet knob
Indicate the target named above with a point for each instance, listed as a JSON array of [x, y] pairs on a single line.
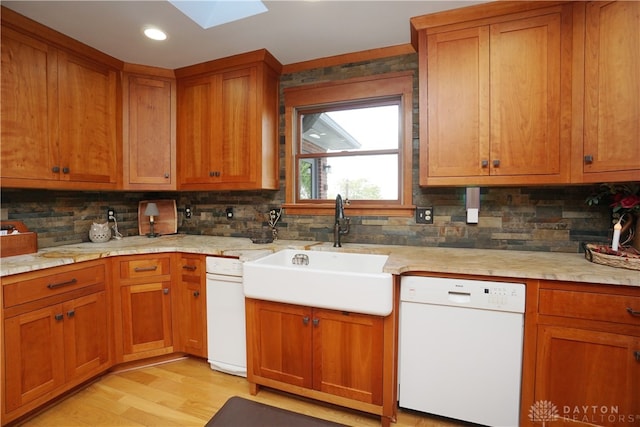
[[588, 159], [65, 170], [166, 175], [196, 294], [55, 169], [165, 291], [316, 322], [305, 320], [496, 163], [71, 313], [484, 163], [59, 317]]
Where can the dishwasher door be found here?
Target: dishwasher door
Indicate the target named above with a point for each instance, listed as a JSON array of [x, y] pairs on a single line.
[[457, 360]]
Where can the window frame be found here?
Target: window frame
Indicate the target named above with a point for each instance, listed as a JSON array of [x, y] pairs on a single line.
[[344, 92]]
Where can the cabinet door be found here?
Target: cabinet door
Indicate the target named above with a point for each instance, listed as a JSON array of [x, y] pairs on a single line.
[[29, 108], [348, 355], [612, 91], [237, 142], [191, 315], [196, 106], [146, 320], [87, 120], [149, 154], [458, 103], [34, 349], [526, 66], [282, 343], [579, 369], [86, 337]]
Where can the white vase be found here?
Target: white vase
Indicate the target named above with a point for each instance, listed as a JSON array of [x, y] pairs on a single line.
[[100, 233]]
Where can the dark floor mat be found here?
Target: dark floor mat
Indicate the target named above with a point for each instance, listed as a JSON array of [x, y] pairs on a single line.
[[239, 412]]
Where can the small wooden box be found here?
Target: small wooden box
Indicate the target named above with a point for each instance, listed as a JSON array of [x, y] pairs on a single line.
[[25, 242]]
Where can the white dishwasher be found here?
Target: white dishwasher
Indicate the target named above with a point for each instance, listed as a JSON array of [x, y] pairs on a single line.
[[460, 350], [225, 316]]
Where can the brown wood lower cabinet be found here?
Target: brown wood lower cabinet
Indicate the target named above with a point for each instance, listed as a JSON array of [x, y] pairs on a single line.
[[56, 334], [334, 356], [190, 310], [587, 354], [142, 306]]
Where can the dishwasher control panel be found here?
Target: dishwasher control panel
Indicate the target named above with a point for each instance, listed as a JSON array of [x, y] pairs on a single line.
[[481, 294]]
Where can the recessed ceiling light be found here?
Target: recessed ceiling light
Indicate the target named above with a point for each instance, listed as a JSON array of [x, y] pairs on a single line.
[[155, 33]]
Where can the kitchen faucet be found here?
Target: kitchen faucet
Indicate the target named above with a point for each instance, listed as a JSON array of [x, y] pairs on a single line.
[[341, 225]]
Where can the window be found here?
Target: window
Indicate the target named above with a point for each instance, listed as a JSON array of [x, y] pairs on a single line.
[[352, 138]]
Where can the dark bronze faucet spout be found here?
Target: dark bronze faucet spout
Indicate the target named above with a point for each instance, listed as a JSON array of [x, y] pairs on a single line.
[[341, 225]]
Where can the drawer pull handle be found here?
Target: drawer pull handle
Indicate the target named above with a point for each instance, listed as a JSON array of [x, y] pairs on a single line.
[[189, 267], [141, 269], [61, 284], [633, 312]]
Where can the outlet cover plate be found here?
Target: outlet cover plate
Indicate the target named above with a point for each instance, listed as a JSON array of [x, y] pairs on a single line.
[[424, 215]]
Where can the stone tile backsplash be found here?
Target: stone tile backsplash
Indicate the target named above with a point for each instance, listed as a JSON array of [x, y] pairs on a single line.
[[538, 219]]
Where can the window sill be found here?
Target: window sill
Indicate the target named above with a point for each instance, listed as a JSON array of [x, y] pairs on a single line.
[[366, 210]]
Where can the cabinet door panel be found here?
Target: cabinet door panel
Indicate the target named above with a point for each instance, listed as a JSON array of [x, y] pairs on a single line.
[[284, 343], [192, 308], [238, 137], [458, 102], [347, 353], [146, 317], [86, 335], [580, 368], [87, 98], [34, 346], [525, 96], [612, 87], [29, 108], [195, 129], [150, 148]]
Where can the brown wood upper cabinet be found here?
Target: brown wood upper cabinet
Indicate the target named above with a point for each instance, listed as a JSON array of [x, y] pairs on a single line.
[[606, 124], [59, 110], [495, 98], [149, 136], [228, 123]]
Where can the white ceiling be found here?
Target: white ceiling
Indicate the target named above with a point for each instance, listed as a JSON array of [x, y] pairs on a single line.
[[293, 31]]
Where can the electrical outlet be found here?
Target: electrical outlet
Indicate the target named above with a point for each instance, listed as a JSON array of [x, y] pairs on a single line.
[[188, 212], [229, 212], [111, 214], [424, 215]]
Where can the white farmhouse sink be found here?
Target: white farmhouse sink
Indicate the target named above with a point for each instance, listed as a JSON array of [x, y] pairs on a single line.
[[334, 280]]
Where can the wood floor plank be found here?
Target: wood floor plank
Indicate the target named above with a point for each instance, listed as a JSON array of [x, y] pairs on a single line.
[[187, 393]]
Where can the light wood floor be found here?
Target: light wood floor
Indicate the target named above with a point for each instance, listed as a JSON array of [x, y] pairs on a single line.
[[185, 393]]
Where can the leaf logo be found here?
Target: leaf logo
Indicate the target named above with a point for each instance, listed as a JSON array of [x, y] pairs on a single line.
[[543, 411]]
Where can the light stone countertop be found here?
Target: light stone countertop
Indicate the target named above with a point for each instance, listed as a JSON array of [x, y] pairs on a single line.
[[402, 259]]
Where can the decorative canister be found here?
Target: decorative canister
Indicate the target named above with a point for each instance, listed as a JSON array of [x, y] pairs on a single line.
[[100, 233]]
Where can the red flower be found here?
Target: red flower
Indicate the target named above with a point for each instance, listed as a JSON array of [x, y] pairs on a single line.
[[629, 201]]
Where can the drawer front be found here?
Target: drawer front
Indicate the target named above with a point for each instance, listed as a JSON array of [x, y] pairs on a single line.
[[145, 267], [590, 306], [191, 266], [52, 284]]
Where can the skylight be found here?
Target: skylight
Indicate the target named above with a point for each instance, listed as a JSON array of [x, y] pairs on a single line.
[[210, 13]]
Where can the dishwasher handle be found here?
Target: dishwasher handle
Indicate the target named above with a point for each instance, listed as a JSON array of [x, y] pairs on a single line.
[[459, 297]]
